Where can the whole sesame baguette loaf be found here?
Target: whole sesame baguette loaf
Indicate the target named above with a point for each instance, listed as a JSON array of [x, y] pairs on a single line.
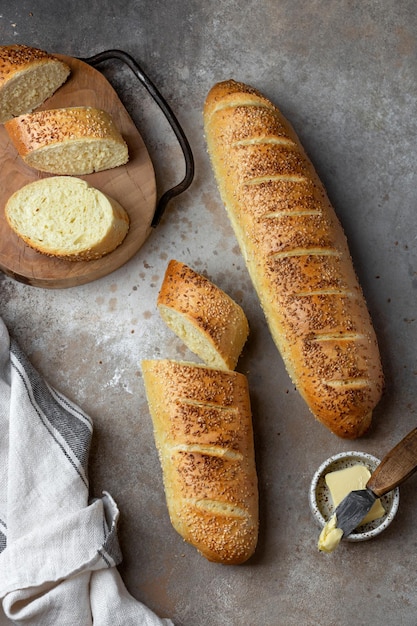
[[203, 433], [63, 216], [28, 76], [297, 256], [71, 140], [210, 323]]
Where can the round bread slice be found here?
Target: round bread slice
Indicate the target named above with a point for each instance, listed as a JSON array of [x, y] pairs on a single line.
[[28, 76], [72, 140], [64, 217], [209, 322]]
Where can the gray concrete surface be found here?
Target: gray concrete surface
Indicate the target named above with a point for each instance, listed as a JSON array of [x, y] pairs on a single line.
[[345, 74]]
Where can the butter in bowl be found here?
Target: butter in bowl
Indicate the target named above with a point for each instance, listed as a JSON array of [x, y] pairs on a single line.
[[372, 492], [323, 505]]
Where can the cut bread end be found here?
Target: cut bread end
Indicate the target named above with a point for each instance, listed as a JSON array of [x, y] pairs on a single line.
[[210, 323], [28, 77]]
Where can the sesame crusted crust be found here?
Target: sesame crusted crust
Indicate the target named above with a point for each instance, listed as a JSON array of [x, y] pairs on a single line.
[[297, 256], [209, 322], [72, 140], [203, 433], [28, 76]]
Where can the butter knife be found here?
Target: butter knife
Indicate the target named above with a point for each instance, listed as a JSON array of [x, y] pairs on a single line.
[[396, 466]]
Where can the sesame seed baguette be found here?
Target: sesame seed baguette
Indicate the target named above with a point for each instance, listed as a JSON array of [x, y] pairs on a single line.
[[28, 76], [203, 433], [297, 256], [72, 140], [209, 322], [63, 216]]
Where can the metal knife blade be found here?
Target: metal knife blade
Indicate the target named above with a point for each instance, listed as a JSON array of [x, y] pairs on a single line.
[[353, 508], [396, 466]]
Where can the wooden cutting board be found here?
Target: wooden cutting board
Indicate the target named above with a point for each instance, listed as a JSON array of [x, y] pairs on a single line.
[[132, 185]]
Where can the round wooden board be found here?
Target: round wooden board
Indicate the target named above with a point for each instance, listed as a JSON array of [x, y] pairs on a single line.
[[133, 185]]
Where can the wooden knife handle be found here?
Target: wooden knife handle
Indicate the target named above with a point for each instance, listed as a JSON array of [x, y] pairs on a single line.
[[396, 466]]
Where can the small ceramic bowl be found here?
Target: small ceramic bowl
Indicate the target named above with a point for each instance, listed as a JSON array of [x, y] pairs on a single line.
[[321, 504]]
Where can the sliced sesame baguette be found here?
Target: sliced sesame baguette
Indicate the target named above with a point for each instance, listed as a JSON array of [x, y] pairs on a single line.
[[210, 323], [28, 76], [203, 433], [65, 217], [297, 255], [72, 140]]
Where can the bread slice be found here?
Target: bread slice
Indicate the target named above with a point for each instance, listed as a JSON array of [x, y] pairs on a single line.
[[28, 76], [210, 323], [203, 433], [71, 140], [63, 216]]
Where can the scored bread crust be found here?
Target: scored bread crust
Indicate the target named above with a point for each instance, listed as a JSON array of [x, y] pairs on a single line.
[[28, 76], [65, 217], [203, 433], [71, 140], [211, 324], [297, 256]]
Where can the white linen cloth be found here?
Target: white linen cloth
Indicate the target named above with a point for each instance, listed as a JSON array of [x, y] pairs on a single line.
[[58, 550]]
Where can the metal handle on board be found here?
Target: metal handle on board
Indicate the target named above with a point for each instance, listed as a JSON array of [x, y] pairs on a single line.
[[166, 109]]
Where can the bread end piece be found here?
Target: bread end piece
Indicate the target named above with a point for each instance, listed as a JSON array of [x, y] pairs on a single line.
[[203, 433], [65, 217], [28, 77], [211, 324]]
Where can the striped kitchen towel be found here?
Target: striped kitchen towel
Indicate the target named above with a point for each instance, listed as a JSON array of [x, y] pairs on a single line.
[[58, 549]]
